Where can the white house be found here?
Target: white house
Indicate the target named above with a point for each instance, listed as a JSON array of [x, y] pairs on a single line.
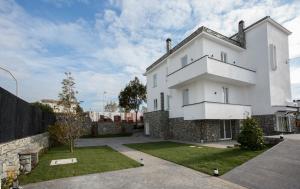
[[54, 104], [201, 88]]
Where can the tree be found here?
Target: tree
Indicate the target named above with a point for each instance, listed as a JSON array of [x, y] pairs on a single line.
[[70, 124], [44, 107], [111, 107], [132, 96], [251, 136]]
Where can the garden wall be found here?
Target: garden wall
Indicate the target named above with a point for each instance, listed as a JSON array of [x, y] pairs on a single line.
[[9, 152], [19, 119], [104, 128]]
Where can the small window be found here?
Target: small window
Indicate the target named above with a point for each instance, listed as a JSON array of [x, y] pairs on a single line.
[[273, 57], [155, 105], [168, 102], [224, 57], [184, 61], [226, 95], [154, 80], [185, 97]]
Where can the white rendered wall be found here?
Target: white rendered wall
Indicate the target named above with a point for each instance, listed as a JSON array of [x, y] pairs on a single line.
[[193, 50], [213, 48], [154, 92], [280, 86]]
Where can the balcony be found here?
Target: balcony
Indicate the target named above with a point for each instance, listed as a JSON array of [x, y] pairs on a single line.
[[210, 68], [215, 110]]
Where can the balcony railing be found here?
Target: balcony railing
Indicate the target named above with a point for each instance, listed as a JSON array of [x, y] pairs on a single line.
[[215, 110], [211, 68]]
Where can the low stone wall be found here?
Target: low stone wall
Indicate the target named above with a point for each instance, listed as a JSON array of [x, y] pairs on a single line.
[[196, 130], [267, 123], [9, 152], [104, 128], [158, 124]]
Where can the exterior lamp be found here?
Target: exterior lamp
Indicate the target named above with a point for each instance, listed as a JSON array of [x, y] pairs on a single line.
[[216, 172], [281, 136]]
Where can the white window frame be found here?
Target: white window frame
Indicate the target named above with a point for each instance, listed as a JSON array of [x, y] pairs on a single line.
[[154, 80], [185, 97], [184, 60], [224, 57], [155, 104]]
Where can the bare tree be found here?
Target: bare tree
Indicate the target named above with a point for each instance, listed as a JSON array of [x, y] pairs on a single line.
[[111, 107], [70, 124]]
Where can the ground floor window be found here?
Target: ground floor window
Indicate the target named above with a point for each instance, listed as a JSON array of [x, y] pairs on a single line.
[[283, 123], [226, 129]]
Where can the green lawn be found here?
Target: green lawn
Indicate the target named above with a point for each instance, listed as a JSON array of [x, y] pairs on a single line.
[[203, 159], [90, 160]]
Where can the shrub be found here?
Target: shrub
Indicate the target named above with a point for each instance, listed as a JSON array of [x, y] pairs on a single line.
[[251, 136]]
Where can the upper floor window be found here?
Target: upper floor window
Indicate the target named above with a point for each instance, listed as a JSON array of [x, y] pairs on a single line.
[[155, 80], [155, 104], [226, 95], [223, 56], [273, 58], [185, 97], [184, 61]]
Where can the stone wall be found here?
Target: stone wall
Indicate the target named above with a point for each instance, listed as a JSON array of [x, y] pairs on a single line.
[[158, 124], [9, 152], [104, 128], [195, 130], [267, 123]]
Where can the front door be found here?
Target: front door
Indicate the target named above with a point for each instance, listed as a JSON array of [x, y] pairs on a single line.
[[225, 129]]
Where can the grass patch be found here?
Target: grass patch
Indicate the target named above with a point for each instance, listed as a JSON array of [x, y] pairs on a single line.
[[90, 160], [203, 159], [108, 135]]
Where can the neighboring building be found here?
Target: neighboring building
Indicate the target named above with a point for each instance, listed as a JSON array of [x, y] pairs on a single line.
[[57, 108], [129, 116], [203, 87]]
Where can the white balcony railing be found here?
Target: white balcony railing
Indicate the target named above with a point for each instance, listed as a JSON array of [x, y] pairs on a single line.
[[207, 67], [215, 110]]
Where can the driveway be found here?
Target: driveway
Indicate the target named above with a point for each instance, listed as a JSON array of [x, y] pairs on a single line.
[[156, 173], [277, 168]]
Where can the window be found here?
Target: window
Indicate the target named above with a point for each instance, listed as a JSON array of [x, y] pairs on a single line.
[[225, 95], [155, 105], [223, 57], [168, 102], [185, 97], [283, 123], [184, 61], [154, 80], [162, 101], [273, 58]]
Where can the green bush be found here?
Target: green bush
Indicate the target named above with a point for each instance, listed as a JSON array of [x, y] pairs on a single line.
[[251, 136]]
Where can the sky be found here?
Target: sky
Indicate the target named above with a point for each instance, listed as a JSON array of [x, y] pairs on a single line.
[[105, 44]]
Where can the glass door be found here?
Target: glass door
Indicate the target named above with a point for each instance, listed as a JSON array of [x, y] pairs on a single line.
[[225, 129]]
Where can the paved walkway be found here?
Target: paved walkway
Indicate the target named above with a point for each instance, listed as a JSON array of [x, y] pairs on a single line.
[[156, 173], [277, 168]]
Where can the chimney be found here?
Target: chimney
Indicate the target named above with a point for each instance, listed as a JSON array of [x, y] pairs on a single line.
[[241, 34], [168, 45]]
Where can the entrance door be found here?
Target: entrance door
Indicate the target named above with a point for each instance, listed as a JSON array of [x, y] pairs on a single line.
[[147, 129], [225, 129]]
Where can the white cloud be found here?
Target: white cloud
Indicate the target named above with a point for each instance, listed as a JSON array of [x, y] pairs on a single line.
[[105, 53]]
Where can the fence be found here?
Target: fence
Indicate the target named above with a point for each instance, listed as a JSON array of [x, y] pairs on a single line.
[[19, 119]]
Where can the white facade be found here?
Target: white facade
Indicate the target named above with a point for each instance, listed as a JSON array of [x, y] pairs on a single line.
[[54, 104], [222, 80]]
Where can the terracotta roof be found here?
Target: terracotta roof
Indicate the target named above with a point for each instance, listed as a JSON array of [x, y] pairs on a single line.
[[189, 38]]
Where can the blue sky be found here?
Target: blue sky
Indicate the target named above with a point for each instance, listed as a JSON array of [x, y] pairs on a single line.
[[106, 43]]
